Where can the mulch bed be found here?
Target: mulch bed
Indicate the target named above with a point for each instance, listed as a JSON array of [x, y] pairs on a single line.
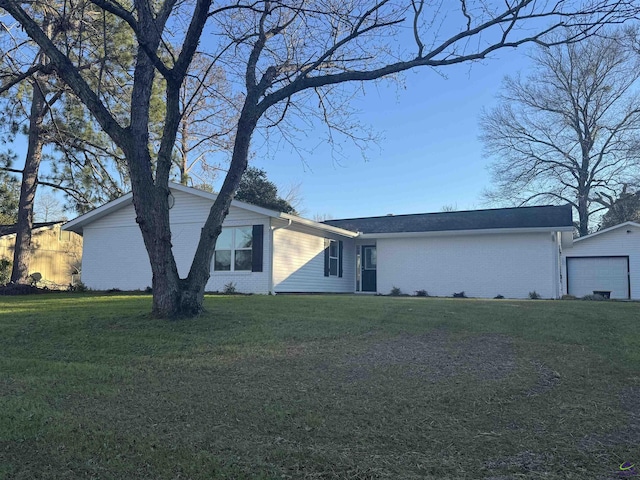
[[21, 289]]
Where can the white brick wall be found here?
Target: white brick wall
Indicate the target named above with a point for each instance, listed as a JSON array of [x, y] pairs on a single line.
[[114, 255], [480, 265], [511, 265], [613, 243]]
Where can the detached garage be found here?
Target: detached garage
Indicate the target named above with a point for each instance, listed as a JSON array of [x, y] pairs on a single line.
[[607, 261]]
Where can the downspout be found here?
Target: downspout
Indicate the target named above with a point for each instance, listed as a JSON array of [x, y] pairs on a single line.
[[557, 264], [271, 249]]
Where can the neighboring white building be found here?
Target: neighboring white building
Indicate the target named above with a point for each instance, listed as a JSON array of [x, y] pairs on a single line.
[[605, 261], [509, 251]]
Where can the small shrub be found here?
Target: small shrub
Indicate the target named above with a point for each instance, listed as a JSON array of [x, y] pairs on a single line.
[[77, 287], [148, 290], [230, 289], [422, 293], [459, 295], [593, 297], [5, 270], [114, 290], [568, 297], [498, 297], [534, 295], [395, 292]]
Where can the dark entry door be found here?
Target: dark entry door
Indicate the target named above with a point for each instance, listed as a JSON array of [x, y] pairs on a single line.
[[369, 265]]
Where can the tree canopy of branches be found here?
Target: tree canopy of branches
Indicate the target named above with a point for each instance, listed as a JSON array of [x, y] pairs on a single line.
[[208, 110], [37, 104], [283, 59], [257, 189], [9, 196], [569, 132], [626, 208]]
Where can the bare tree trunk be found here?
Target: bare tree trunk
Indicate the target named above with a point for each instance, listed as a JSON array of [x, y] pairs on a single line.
[[583, 215], [184, 143], [156, 233], [584, 191], [192, 288], [22, 252]]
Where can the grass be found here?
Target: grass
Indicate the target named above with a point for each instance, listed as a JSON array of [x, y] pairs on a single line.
[[318, 387]]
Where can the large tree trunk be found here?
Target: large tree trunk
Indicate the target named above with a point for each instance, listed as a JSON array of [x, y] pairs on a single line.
[[583, 214], [22, 252], [156, 233], [191, 295]]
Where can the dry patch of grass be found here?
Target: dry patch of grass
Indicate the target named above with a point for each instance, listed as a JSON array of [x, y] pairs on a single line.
[[318, 388]]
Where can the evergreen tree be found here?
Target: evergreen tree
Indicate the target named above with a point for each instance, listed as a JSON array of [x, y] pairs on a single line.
[[9, 196], [257, 189]]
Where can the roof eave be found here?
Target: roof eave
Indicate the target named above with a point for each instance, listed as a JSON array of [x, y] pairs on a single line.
[[234, 203], [606, 230], [485, 231], [77, 224], [319, 226]]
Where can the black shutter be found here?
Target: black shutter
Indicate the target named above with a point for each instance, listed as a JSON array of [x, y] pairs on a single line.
[[327, 244], [257, 247], [340, 258]]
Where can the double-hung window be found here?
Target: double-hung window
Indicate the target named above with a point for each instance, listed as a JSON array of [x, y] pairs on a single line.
[[233, 250], [332, 258]]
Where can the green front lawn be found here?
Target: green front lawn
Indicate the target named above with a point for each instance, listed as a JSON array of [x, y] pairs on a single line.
[[318, 387]]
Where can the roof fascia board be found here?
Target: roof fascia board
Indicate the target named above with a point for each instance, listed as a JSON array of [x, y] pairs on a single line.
[[486, 231], [77, 223], [320, 226], [234, 203], [268, 212], [607, 230]]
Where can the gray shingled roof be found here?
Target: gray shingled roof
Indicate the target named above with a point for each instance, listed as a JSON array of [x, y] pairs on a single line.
[[521, 217]]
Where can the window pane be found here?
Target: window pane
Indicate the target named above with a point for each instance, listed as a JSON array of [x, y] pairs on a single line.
[[333, 267], [333, 249], [243, 260], [370, 258], [244, 237], [222, 260], [224, 239]]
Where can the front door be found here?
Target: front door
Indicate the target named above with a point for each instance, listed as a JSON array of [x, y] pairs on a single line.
[[369, 263]]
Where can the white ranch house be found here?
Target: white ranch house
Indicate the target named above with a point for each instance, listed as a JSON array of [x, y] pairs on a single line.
[[485, 253]]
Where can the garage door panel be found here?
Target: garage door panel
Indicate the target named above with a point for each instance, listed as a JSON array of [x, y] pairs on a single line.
[[586, 274]]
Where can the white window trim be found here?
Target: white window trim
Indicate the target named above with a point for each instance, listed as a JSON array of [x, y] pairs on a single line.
[[336, 258], [233, 250]]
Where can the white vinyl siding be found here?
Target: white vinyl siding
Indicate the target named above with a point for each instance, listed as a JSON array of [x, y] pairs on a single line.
[[299, 262], [586, 275], [511, 265]]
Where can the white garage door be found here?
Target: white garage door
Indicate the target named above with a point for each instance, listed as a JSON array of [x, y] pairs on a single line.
[[588, 274]]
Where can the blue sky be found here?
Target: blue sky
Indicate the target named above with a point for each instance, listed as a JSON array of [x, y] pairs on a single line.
[[430, 155]]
